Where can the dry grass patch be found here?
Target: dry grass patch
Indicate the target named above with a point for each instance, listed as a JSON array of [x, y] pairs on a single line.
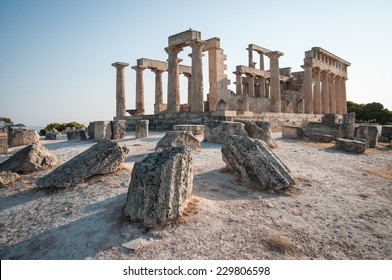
[[280, 244], [384, 173]]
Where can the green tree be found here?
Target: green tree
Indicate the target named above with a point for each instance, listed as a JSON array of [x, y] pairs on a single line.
[[374, 112], [6, 120]]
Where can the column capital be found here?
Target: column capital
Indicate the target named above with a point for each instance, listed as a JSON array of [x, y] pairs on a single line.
[[174, 50], [274, 55], [157, 71], [307, 67], [237, 73], [138, 68], [188, 75], [120, 65], [250, 74], [316, 70], [197, 44]]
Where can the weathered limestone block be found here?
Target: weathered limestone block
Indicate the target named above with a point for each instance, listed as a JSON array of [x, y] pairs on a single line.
[[293, 132], [330, 119], [383, 139], [218, 131], [195, 129], [256, 130], [8, 178], [90, 130], [118, 129], [255, 163], [348, 125], [386, 131], [23, 136], [368, 132], [102, 158], [76, 135], [3, 143], [102, 130], [324, 138], [160, 187], [352, 146], [349, 118], [31, 158], [141, 129], [176, 139], [50, 135]]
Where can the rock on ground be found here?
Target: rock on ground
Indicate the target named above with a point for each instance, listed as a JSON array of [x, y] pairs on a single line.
[[50, 135], [352, 146], [218, 131], [22, 136], [160, 187], [8, 178], [102, 158], [176, 139], [255, 130], [324, 138], [76, 135], [255, 163], [368, 132], [141, 129], [31, 158]]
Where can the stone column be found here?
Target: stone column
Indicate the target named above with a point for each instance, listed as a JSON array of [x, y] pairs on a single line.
[[261, 60], [250, 57], [308, 89], [324, 92], [331, 87], [267, 88], [238, 82], [262, 87], [343, 95], [251, 84], [317, 93], [338, 98], [173, 80], [139, 90], [158, 90], [197, 98], [274, 81], [120, 88], [188, 76]]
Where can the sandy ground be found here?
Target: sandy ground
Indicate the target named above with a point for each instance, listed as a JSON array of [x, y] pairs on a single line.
[[340, 208]]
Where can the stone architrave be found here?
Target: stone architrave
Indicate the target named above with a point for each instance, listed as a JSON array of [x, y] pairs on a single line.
[[197, 102], [120, 88], [275, 101], [177, 139], [158, 90], [255, 163], [218, 131], [141, 129], [160, 187], [29, 159], [317, 92], [139, 89], [173, 82], [102, 158]]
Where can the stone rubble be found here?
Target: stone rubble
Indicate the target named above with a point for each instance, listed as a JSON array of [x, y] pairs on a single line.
[[176, 139]]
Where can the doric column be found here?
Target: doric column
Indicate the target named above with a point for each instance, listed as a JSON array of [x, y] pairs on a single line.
[[343, 95], [188, 75], [238, 82], [267, 88], [324, 92], [158, 90], [261, 60], [308, 88], [120, 88], [331, 87], [173, 80], [338, 97], [197, 98], [250, 57], [139, 89], [274, 81], [251, 84], [262, 87], [317, 92]]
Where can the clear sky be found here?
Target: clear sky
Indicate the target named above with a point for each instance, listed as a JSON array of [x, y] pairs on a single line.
[[56, 55]]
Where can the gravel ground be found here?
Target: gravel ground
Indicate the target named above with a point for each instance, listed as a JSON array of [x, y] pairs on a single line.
[[340, 208]]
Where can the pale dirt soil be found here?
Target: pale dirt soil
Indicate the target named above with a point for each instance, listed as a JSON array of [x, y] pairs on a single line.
[[340, 208]]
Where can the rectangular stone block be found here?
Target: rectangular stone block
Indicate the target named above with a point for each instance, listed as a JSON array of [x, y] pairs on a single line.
[[386, 131], [102, 130], [293, 132], [184, 37], [118, 129], [224, 113], [3, 143]]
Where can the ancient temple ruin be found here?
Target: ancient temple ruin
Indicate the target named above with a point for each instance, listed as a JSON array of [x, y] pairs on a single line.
[[265, 93]]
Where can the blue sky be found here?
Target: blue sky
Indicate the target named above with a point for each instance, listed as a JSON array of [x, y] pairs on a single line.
[[55, 56]]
